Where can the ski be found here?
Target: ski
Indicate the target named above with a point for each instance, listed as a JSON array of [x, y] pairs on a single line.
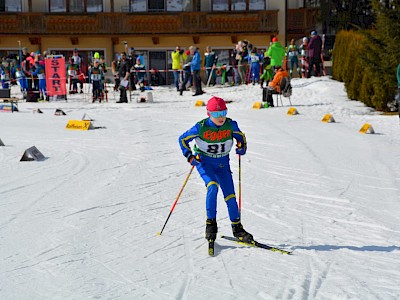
[[211, 247], [257, 245]]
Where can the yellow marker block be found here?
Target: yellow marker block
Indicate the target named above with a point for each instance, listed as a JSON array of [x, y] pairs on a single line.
[[367, 128], [328, 118], [79, 125], [292, 111], [258, 105], [199, 103]]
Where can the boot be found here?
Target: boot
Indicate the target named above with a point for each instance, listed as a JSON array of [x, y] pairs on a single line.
[[211, 229], [241, 234]]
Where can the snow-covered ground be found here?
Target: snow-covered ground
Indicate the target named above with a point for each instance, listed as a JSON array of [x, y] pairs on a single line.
[[82, 224]]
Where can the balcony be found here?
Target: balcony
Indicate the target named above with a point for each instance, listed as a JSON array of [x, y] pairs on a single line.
[[185, 23], [302, 21]]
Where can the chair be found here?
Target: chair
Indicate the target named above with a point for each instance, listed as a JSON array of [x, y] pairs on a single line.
[[286, 91]]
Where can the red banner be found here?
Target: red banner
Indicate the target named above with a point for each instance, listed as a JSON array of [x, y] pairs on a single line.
[[55, 76]]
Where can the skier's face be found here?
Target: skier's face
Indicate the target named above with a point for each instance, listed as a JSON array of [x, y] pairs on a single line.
[[219, 121]]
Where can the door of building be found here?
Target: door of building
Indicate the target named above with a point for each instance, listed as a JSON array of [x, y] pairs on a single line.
[[158, 61]]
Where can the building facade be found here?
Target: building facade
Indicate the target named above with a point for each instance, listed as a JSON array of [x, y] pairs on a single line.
[[153, 27]]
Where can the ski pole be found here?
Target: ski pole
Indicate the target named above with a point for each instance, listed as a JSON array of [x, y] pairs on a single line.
[[240, 182], [176, 200]]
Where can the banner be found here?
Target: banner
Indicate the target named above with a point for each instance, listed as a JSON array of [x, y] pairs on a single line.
[[79, 125], [55, 76]]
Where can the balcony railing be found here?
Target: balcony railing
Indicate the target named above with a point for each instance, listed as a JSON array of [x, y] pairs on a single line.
[[156, 23], [302, 21]]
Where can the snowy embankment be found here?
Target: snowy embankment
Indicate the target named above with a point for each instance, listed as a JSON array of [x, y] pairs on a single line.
[[82, 224]]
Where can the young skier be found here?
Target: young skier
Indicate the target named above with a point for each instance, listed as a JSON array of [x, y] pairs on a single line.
[[214, 139], [95, 77], [292, 53], [40, 72]]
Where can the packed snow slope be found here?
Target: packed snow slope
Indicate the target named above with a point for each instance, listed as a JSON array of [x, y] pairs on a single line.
[[82, 223]]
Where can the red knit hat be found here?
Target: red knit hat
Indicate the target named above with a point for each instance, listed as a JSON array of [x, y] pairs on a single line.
[[274, 39], [216, 104]]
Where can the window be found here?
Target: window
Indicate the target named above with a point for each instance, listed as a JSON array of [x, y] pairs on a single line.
[[175, 5], [11, 5], [137, 5], [156, 5], [239, 5], [58, 6], [257, 4], [220, 5], [76, 6], [94, 6]]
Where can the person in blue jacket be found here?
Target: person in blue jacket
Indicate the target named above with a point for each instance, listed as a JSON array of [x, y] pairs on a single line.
[[195, 67], [214, 139]]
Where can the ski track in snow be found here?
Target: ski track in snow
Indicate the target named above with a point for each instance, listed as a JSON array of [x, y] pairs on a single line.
[[82, 224]]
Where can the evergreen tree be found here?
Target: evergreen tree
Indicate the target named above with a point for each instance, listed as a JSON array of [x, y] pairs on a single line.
[[345, 14], [382, 54]]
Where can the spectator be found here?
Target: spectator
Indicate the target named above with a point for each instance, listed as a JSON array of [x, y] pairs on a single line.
[[304, 57], [187, 72], [276, 52], [255, 59], [123, 74], [293, 51], [314, 54], [195, 69], [242, 57], [131, 60], [274, 87], [267, 74], [78, 61], [114, 69], [210, 59], [140, 74], [178, 58], [233, 61]]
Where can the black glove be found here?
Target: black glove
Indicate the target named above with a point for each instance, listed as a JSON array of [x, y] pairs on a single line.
[[194, 160]]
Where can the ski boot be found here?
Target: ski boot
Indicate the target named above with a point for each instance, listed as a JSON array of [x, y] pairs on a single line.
[[211, 229], [241, 234]]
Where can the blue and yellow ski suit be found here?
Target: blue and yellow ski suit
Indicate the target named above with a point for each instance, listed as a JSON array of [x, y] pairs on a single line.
[[213, 145]]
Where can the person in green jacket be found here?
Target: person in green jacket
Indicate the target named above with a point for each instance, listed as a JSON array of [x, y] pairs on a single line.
[[276, 52]]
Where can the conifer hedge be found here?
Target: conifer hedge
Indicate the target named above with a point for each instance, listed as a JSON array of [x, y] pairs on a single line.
[[366, 60]]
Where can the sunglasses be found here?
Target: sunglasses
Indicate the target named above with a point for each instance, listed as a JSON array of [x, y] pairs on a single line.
[[217, 114]]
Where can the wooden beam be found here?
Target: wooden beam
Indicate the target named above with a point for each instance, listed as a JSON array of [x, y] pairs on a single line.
[[74, 40], [115, 40], [156, 40], [35, 40], [196, 39]]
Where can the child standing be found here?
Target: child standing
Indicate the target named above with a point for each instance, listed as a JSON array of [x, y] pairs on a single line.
[[268, 73], [304, 57], [293, 51], [214, 140], [95, 77], [255, 66]]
